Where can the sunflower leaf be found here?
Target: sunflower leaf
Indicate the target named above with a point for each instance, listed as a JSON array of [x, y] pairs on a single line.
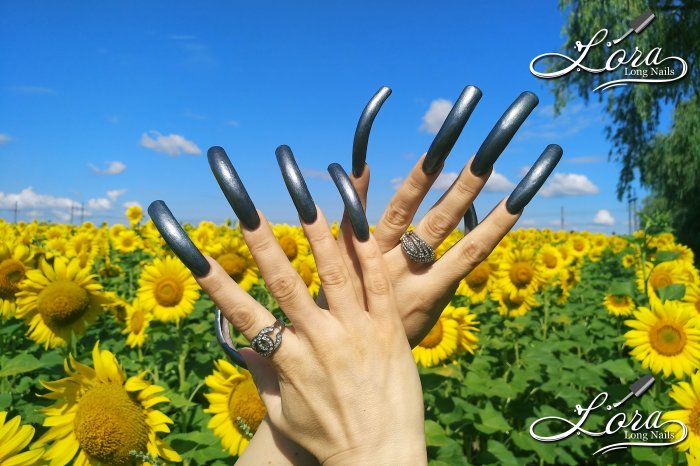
[[672, 291], [20, 364], [620, 288], [665, 256]]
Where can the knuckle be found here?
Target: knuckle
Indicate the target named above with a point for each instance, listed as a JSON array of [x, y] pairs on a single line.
[[242, 317], [414, 186], [378, 284], [284, 288], [334, 278], [439, 225], [475, 252], [397, 216], [463, 189]]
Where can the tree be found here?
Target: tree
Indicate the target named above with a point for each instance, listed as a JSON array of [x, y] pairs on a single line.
[[668, 164]]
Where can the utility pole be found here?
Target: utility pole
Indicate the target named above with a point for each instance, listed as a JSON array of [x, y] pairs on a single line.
[[15, 212], [82, 212], [631, 210], [562, 217], [71, 213]]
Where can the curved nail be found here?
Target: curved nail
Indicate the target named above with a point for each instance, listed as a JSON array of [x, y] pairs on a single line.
[[353, 206], [359, 144], [470, 220], [503, 132], [177, 239], [451, 129], [224, 337], [535, 178], [295, 184], [233, 188]]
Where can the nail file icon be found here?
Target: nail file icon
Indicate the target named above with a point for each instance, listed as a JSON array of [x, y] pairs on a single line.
[[638, 25], [638, 388]]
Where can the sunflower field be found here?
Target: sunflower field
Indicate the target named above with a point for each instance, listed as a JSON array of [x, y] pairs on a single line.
[[108, 354]]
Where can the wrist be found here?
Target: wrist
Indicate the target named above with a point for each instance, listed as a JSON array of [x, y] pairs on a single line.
[[406, 452]]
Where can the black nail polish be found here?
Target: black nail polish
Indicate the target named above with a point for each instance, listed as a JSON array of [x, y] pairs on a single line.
[[535, 178], [470, 220], [503, 132], [177, 239], [233, 188], [451, 129], [223, 334], [353, 206], [359, 144], [295, 184]]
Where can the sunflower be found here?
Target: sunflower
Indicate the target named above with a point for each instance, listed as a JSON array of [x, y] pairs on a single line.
[[137, 321], [550, 261], [292, 241], [477, 283], [81, 243], [14, 264], [116, 229], [628, 261], [57, 301], [235, 405], [686, 394], [450, 241], [619, 305], [519, 272], [134, 214], [579, 245], [168, 289], [514, 304], [306, 268], [692, 296], [127, 241], [13, 438], [103, 417], [662, 275], [440, 344], [666, 338], [235, 258], [467, 326]]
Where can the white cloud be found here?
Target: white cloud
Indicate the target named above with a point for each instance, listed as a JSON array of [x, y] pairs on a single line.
[[28, 199], [523, 170], [313, 173], [114, 194], [172, 144], [569, 184], [498, 183], [435, 116], [5, 138], [35, 204], [590, 159], [113, 168], [444, 181], [528, 222], [100, 203], [396, 182], [128, 204], [603, 217]]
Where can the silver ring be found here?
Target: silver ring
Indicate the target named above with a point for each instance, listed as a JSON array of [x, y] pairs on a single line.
[[416, 248], [263, 344]]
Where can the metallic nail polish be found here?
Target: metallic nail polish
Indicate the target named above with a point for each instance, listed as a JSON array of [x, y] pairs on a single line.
[[470, 220], [296, 185], [364, 125], [535, 178], [353, 206]]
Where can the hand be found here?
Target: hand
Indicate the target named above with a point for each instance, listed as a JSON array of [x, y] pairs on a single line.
[[343, 383]]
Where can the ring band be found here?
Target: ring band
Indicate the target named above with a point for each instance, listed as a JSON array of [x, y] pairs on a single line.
[[263, 344], [223, 334], [416, 248]]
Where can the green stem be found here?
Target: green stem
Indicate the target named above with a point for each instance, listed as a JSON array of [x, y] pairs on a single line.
[[182, 358], [517, 355], [545, 322]]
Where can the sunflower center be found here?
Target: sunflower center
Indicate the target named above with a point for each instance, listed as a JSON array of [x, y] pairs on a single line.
[[660, 279], [549, 260], [11, 273], [694, 419], [127, 242], [697, 304], [233, 264], [521, 274], [137, 320], [579, 245], [109, 424], [667, 338], [168, 291], [62, 302], [289, 246], [478, 277], [245, 404], [514, 300], [306, 274], [434, 336], [620, 300]]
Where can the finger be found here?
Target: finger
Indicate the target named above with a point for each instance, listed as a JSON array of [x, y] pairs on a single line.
[[451, 129], [353, 206], [233, 188], [298, 191], [470, 219], [364, 126], [502, 132], [177, 239], [475, 247]]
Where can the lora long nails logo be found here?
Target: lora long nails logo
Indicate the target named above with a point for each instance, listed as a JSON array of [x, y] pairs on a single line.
[[636, 429], [637, 66]]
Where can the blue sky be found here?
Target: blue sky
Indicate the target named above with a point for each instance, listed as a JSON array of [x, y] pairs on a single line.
[[110, 103]]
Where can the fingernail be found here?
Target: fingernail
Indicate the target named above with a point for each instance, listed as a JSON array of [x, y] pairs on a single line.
[[451, 129], [470, 220], [233, 188], [177, 239], [359, 144], [535, 178], [503, 132], [223, 334], [353, 206], [295, 184]]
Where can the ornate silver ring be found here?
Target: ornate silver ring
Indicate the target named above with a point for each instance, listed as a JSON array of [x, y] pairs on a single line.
[[416, 248], [263, 344]]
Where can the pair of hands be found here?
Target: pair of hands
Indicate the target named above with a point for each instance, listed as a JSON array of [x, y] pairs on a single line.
[[343, 385]]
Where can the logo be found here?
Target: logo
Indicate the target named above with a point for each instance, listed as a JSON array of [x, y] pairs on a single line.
[[635, 67], [636, 430]]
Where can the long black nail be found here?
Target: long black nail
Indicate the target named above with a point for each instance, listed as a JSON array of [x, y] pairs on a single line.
[[295, 184], [233, 188], [359, 144], [470, 220], [223, 334], [451, 129], [503, 132], [353, 206], [177, 239], [535, 178]]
